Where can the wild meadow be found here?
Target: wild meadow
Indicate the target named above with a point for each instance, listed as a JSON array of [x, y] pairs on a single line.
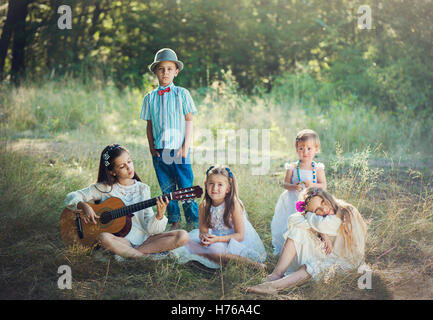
[[52, 133]]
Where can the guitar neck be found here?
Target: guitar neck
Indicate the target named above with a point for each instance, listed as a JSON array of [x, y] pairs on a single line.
[[124, 211]]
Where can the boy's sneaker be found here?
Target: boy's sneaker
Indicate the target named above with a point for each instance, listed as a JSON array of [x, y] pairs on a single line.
[[119, 258]]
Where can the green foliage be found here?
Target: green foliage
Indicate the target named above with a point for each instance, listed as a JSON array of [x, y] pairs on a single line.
[[299, 101], [259, 41], [307, 64], [345, 119], [58, 107]]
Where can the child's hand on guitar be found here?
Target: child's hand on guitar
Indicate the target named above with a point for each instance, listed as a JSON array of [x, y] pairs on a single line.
[[89, 214], [161, 206]]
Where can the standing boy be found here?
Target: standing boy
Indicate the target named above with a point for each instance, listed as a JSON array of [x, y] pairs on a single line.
[[169, 111]]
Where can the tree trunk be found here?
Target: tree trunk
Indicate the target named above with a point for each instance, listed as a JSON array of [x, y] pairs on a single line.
[[6, 36], [14, 26], [19, 40]]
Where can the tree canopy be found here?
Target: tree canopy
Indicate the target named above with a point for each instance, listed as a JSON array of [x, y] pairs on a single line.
[[258, 40]]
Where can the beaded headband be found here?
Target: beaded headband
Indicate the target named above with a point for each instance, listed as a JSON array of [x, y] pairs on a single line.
[[106, 154], [227, 168], [229, 171], [210, 168]]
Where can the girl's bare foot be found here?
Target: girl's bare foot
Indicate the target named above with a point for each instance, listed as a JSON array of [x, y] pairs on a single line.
[[272, 277], [263, 288]]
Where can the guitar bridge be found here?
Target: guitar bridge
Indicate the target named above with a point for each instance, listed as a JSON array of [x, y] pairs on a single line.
[[79, 226]]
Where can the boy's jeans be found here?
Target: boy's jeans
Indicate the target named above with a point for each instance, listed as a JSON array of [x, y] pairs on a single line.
[[172, 172]]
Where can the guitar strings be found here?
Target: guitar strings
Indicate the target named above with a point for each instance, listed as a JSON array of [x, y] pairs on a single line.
[[120, 212]]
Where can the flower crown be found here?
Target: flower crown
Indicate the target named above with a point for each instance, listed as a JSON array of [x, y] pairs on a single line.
[[302, 205]]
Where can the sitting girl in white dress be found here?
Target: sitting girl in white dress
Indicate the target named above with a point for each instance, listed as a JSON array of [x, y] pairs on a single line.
[[117, 178], [299, 175], [224, 231], [303, 255]]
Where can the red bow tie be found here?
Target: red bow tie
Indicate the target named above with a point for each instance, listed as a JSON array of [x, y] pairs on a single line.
[[161, 92]]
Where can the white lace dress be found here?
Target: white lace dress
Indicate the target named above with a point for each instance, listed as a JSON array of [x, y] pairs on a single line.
[[286, 205], [250, 247], [309, 248], [144, 222]]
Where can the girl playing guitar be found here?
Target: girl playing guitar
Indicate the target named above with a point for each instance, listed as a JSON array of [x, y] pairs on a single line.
[[117, 178]]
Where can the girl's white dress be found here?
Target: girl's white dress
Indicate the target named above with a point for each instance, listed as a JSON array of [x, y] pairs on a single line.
[[286, 205], [310, 249], [250, 247], [144, 222]]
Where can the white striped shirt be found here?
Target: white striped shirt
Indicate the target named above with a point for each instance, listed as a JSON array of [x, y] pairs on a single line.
[[167, 113]]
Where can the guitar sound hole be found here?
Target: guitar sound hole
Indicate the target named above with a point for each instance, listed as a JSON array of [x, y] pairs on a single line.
[[105, 217]]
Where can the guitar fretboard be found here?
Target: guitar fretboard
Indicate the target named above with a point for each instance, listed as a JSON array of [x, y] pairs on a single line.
[[124, 211], [185, 194]]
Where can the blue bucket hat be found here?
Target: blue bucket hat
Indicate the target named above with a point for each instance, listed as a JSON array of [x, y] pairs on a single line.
[[165, 54]]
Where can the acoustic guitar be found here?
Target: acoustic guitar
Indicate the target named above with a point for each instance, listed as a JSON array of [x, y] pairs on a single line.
[[114, 217]]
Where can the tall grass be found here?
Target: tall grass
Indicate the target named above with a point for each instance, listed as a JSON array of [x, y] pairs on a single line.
[[56, 108], [49, 151], [399, 216]]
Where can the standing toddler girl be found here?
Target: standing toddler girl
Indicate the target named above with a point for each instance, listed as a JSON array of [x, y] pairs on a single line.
[[302, 174]]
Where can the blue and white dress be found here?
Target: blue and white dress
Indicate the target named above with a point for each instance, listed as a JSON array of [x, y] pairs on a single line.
[[251, 247]]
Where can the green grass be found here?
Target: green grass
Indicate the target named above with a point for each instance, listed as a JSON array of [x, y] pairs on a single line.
[[32, 250], [49, 151], [101, 111]]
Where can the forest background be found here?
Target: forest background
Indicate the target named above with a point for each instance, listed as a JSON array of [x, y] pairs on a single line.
[[279, 65]]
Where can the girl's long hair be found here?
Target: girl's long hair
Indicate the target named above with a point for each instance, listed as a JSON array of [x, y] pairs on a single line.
[[345, 211], [230, 199], [108, 156]]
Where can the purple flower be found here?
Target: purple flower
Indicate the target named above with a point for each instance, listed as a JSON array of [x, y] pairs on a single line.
[[300, 206]]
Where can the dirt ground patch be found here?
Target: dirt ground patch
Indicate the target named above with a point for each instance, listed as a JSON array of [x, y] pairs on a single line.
[[408, 282]]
